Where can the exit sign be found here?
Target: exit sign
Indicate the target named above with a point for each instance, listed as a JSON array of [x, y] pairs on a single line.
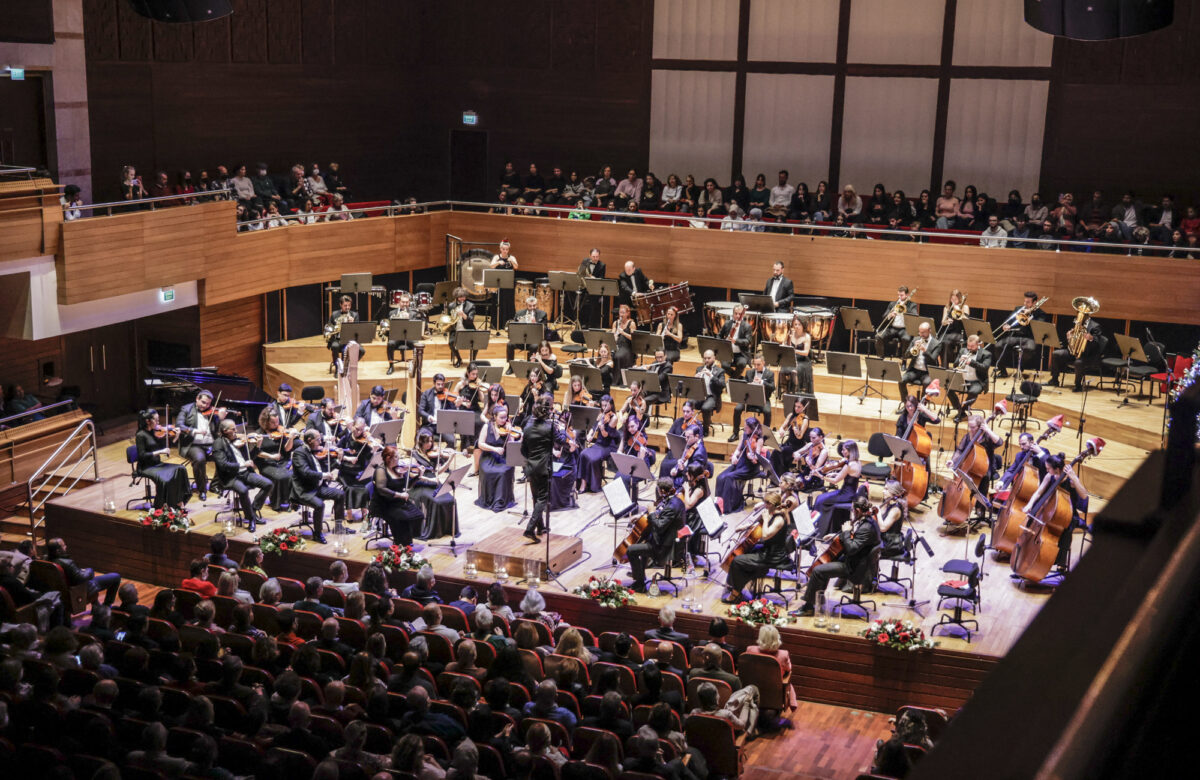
[[17, 74], [166, 294], [470, 118]]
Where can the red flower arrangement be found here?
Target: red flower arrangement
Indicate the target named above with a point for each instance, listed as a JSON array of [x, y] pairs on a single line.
[[607, 593], [759, 612], [170, 518], [897, 634], [397, 558], [280, 541]]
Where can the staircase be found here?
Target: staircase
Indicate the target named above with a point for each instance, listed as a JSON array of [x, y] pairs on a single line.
[[22, 504]]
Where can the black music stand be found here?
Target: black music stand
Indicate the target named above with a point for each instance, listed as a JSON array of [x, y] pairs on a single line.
[[455, 422], [443, 292], [564, 282], [1131, 350], [634, 467], [602, 289], [490, 375], [646, 343], [526, 335], [362, 332], [472, 340], [782, 356], [514, 458], [619, 505], [1046, 337], [843, 364], [856, 321], [650, 381], [811, 408], [687, 387], [881, 370], [980, 328], [902, 449], [357, 284], [453, 479], [411, 331], [584, 417], [498, 279], [592, 378], [721, 348], [748, 394], [521, 368], [594, 337], [389, 430], [757, 302]]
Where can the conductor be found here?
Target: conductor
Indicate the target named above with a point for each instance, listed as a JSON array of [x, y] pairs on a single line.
[[537, 445]]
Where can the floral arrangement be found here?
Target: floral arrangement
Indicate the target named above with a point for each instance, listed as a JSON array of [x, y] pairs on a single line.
[[170, 517], [397, 558], [1183, 384], [280, 541], [608, 593], [897, 634], [759, 612]]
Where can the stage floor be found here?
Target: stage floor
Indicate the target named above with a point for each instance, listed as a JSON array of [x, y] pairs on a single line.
[[1009, 607]]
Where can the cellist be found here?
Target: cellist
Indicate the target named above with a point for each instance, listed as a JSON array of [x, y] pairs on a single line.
[[857, 540], [979, 432], [658, 541], [1059, 472], [771, 552]]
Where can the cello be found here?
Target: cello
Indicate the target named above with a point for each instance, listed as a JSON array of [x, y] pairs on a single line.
[[972, 463], [636, 532], [1009, 520], [1036, 548], [749, 537], [914, 477]]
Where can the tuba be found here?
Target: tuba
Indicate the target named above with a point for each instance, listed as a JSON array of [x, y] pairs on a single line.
[[1077, 338]]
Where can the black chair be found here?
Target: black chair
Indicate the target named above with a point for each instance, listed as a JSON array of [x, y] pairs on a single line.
[[378, 529], [855, 598], [232, 509], [135, 476], [908, 557], [306, 512], [1022, 404], [968, 592], [877, 471]]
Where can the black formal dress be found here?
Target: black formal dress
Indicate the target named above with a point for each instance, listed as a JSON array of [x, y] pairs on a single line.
[[402, 515], [495, 476], [439, 510], [771, 554], [170, 479], [275, 463]]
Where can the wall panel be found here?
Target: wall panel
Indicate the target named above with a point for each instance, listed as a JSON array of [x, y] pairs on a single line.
[[787, 126], [994, 134], [695, 29], [231, 337], [793, 30], [995, 33], [889, 133], [691, 123], [887, 32]]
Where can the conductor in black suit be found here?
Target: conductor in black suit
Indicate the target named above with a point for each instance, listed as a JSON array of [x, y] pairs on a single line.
[[631, 281], [779, 287], [974, 362], [314, 486], [531, 314], [658, 540], [235, 470], [537, 446]]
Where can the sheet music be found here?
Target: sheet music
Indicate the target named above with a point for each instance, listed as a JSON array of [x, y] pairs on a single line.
[[714, 523]]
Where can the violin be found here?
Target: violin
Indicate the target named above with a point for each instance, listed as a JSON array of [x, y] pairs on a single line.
[[165, 432], [220, 412], [446, 395], [326, 451]]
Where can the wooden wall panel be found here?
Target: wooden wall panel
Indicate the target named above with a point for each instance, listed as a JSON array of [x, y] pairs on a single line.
[[231, 337], [248, 31], [211, 40], [283, 32], [100, 30], [20, 359], [135, 35]]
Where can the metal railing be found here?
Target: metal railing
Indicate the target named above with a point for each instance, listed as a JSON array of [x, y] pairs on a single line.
[[153, 203], [63, 405], [67, 465], [18, 170]]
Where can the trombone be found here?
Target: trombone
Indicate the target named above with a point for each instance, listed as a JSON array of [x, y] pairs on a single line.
[[901, 307], [1022, 316]]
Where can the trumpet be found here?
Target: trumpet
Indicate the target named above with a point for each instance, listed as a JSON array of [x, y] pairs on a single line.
[[966, 357], [919, 345]]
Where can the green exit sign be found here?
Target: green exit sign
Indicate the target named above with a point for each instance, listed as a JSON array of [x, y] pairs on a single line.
[[470, 118], [166, 294]]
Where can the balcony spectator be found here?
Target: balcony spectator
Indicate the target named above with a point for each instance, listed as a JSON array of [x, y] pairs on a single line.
[[1047, 232], [760, 196], [924, 216], [1128, 214], [800, 204], [1094, 213], [780, 200], [737, 193], [879, 196], [553, 193], [535, 185], [1019, 232], [337, 212], [185, 186], [510, 181], [161, 188], [947, 209], [1182, 245], [1162, 219], [300, 190], [651, 196], [264, 187], [502, 204], [334, 181], [902, 209], [131, 184], [849, 204], [822, 202], [1065, 214], [576, 192], [70, 201], [316, 181], [672, 194], [274, 218], [994, 236], [243, 187], [1190, 224], [691, 193], [629, 188], [221, 182], [1011, 208], [711, 199], [966, 209]]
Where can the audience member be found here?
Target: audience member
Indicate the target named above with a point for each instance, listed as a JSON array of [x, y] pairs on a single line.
[[422, 590], [56, 552], [198, 579]]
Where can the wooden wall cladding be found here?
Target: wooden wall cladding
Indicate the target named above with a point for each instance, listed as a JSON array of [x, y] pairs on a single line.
[[20, 360], [31, 224], [231, 337], [107, 256]]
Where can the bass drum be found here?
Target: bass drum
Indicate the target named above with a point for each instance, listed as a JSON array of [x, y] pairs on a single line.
[[774, 327], [716, 314], [547, 299], [522, 289], [471, 265]]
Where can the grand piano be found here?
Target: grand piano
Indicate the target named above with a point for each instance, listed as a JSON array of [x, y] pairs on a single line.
[[178, 386]]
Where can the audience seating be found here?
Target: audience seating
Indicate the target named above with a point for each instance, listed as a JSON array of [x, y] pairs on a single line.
[[765, 672], [716, 741]]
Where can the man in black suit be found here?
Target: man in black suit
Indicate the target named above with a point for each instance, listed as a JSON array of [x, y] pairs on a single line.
[[714, 385], [1095, 342], [780, 288], [758, 375], [463, 312], [916, 369], [611, 717], [659, 539], [283, 408], [333, 326], [532, 315], [236, 472], [1016, 341], [325, 421], [197, 423], [372, 409], [711, 670], [328, 640], [666, 629], [314, 485], [738, 331], [403, 311], [620, 653], [430, 404], [974, 362], [589, 310], [858, 539], [537, 446], [56, 551], [631, 281], [895, 332]]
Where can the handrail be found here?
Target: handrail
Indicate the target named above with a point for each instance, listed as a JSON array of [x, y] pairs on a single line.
[[14, 170], [110, 205], [39, 410], [44, 474]]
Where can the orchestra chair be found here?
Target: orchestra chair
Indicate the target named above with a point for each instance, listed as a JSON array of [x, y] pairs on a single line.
[[232, 509], [855, 598], [962, 567], [935, 720], [696, 658], [715, 739], [251, 581], [577, 346], [962, 591], [1179, 366], [48, 576], [306, 512], [724, 691], [377, 528], [135, 477], [608, 639], [877, 471], [908, 557], [771, 582], [1022, 404]]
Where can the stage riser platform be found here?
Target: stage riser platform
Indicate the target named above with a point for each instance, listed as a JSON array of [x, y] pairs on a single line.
[[519, 558]]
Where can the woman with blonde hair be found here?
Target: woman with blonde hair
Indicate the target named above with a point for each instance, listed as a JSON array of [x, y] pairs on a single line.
[[769, 643], [571, 643], [227, 585]]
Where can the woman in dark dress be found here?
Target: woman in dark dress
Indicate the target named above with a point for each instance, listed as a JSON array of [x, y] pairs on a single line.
[[273, 456], [562, 481], [495, 475], [170, 479], [671, 329], [695, 491], [745, 464], [633, 442], [392, 500], [848, 475], [604, 362], [822, 202], [793, 435], [623, 333], [602, 441], [439, 512]]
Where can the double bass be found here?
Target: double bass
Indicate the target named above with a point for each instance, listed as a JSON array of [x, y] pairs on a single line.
[[914, 477], [1036, 548], [972, 463], [1009, 520]]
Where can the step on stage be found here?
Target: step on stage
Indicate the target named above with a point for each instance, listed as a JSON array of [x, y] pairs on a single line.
[[509, 550]]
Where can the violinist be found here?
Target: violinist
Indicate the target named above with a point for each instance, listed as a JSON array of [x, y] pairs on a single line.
[[469, 394], [403, 311], [635, 404], [662, 367], [601, 441], [333, 327], [759, 374], [895, 330], [634, 442], [771, 553], [974, 362], [530, 315], [604, 362], [538, 442], [658, 540], [978, 429], [892, 517], [197, 424], [858, 540], [285, 407], [912, 408], [392, 500], [358, 450], [671, 330], [534, 387], [566, 452], [1017, 339], [622, 330], [273, 456], [375, 409], [439, 510], [714, 385], [738, 332], [1060, 472], [693, 452], [678, 428], [434, 400], [170, 479], [326, 422], [315, 485], [846, 476], [953, 332], [916, 371], [495, 398], [809, 460], [744, 464], [792, 436], [495, 475], [576, 394], [551, 370], [236, 471], [693, 491], [462, 312]]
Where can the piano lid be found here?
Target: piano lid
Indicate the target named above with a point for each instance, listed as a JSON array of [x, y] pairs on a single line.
[[228, 387]]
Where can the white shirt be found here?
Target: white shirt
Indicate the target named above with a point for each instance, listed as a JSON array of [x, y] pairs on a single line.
[[969, 374], [781, 195], [994, 238], [898, 320], [241, 459], [203, 432], [775, 282]]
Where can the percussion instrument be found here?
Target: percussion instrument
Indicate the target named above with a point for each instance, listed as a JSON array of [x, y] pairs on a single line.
[[423, 300], [522, 289], [547, 298], [652, 306], [818, 321], [396, 296], [470, 275], [717, 313], [774, 327]]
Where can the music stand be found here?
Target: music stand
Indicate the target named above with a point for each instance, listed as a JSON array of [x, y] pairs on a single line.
[[619, 504], [650, 381], [843, 364], [646, 343], [902, 449], [564, 282], [912, 325], [748, 394], [513, 402], [411, 331], [676, 444], [362, 332], [490, 375], [634, 467], [521, 368], [526, 335], [389, 430], [443, 292], [757, 302], [721, 348], [881, 370], [980, 328], [593, 380], [603, 289], [472, 340], [514, 458], [856, 320], [455, 422], [453, 479], [811, 410], [1044, 335], [584, 417], [1131, 349], [594, 337], [781, 356], [498, 279], [688, 387]]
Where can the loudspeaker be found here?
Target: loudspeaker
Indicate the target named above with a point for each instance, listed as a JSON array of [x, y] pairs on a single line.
[[181, 11], [1099, 20]]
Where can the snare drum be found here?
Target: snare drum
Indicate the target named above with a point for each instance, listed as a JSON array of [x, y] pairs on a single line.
[[547, 299], [818, 321], [774, 327], [396, 296], [522, 289], [423, 301]]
